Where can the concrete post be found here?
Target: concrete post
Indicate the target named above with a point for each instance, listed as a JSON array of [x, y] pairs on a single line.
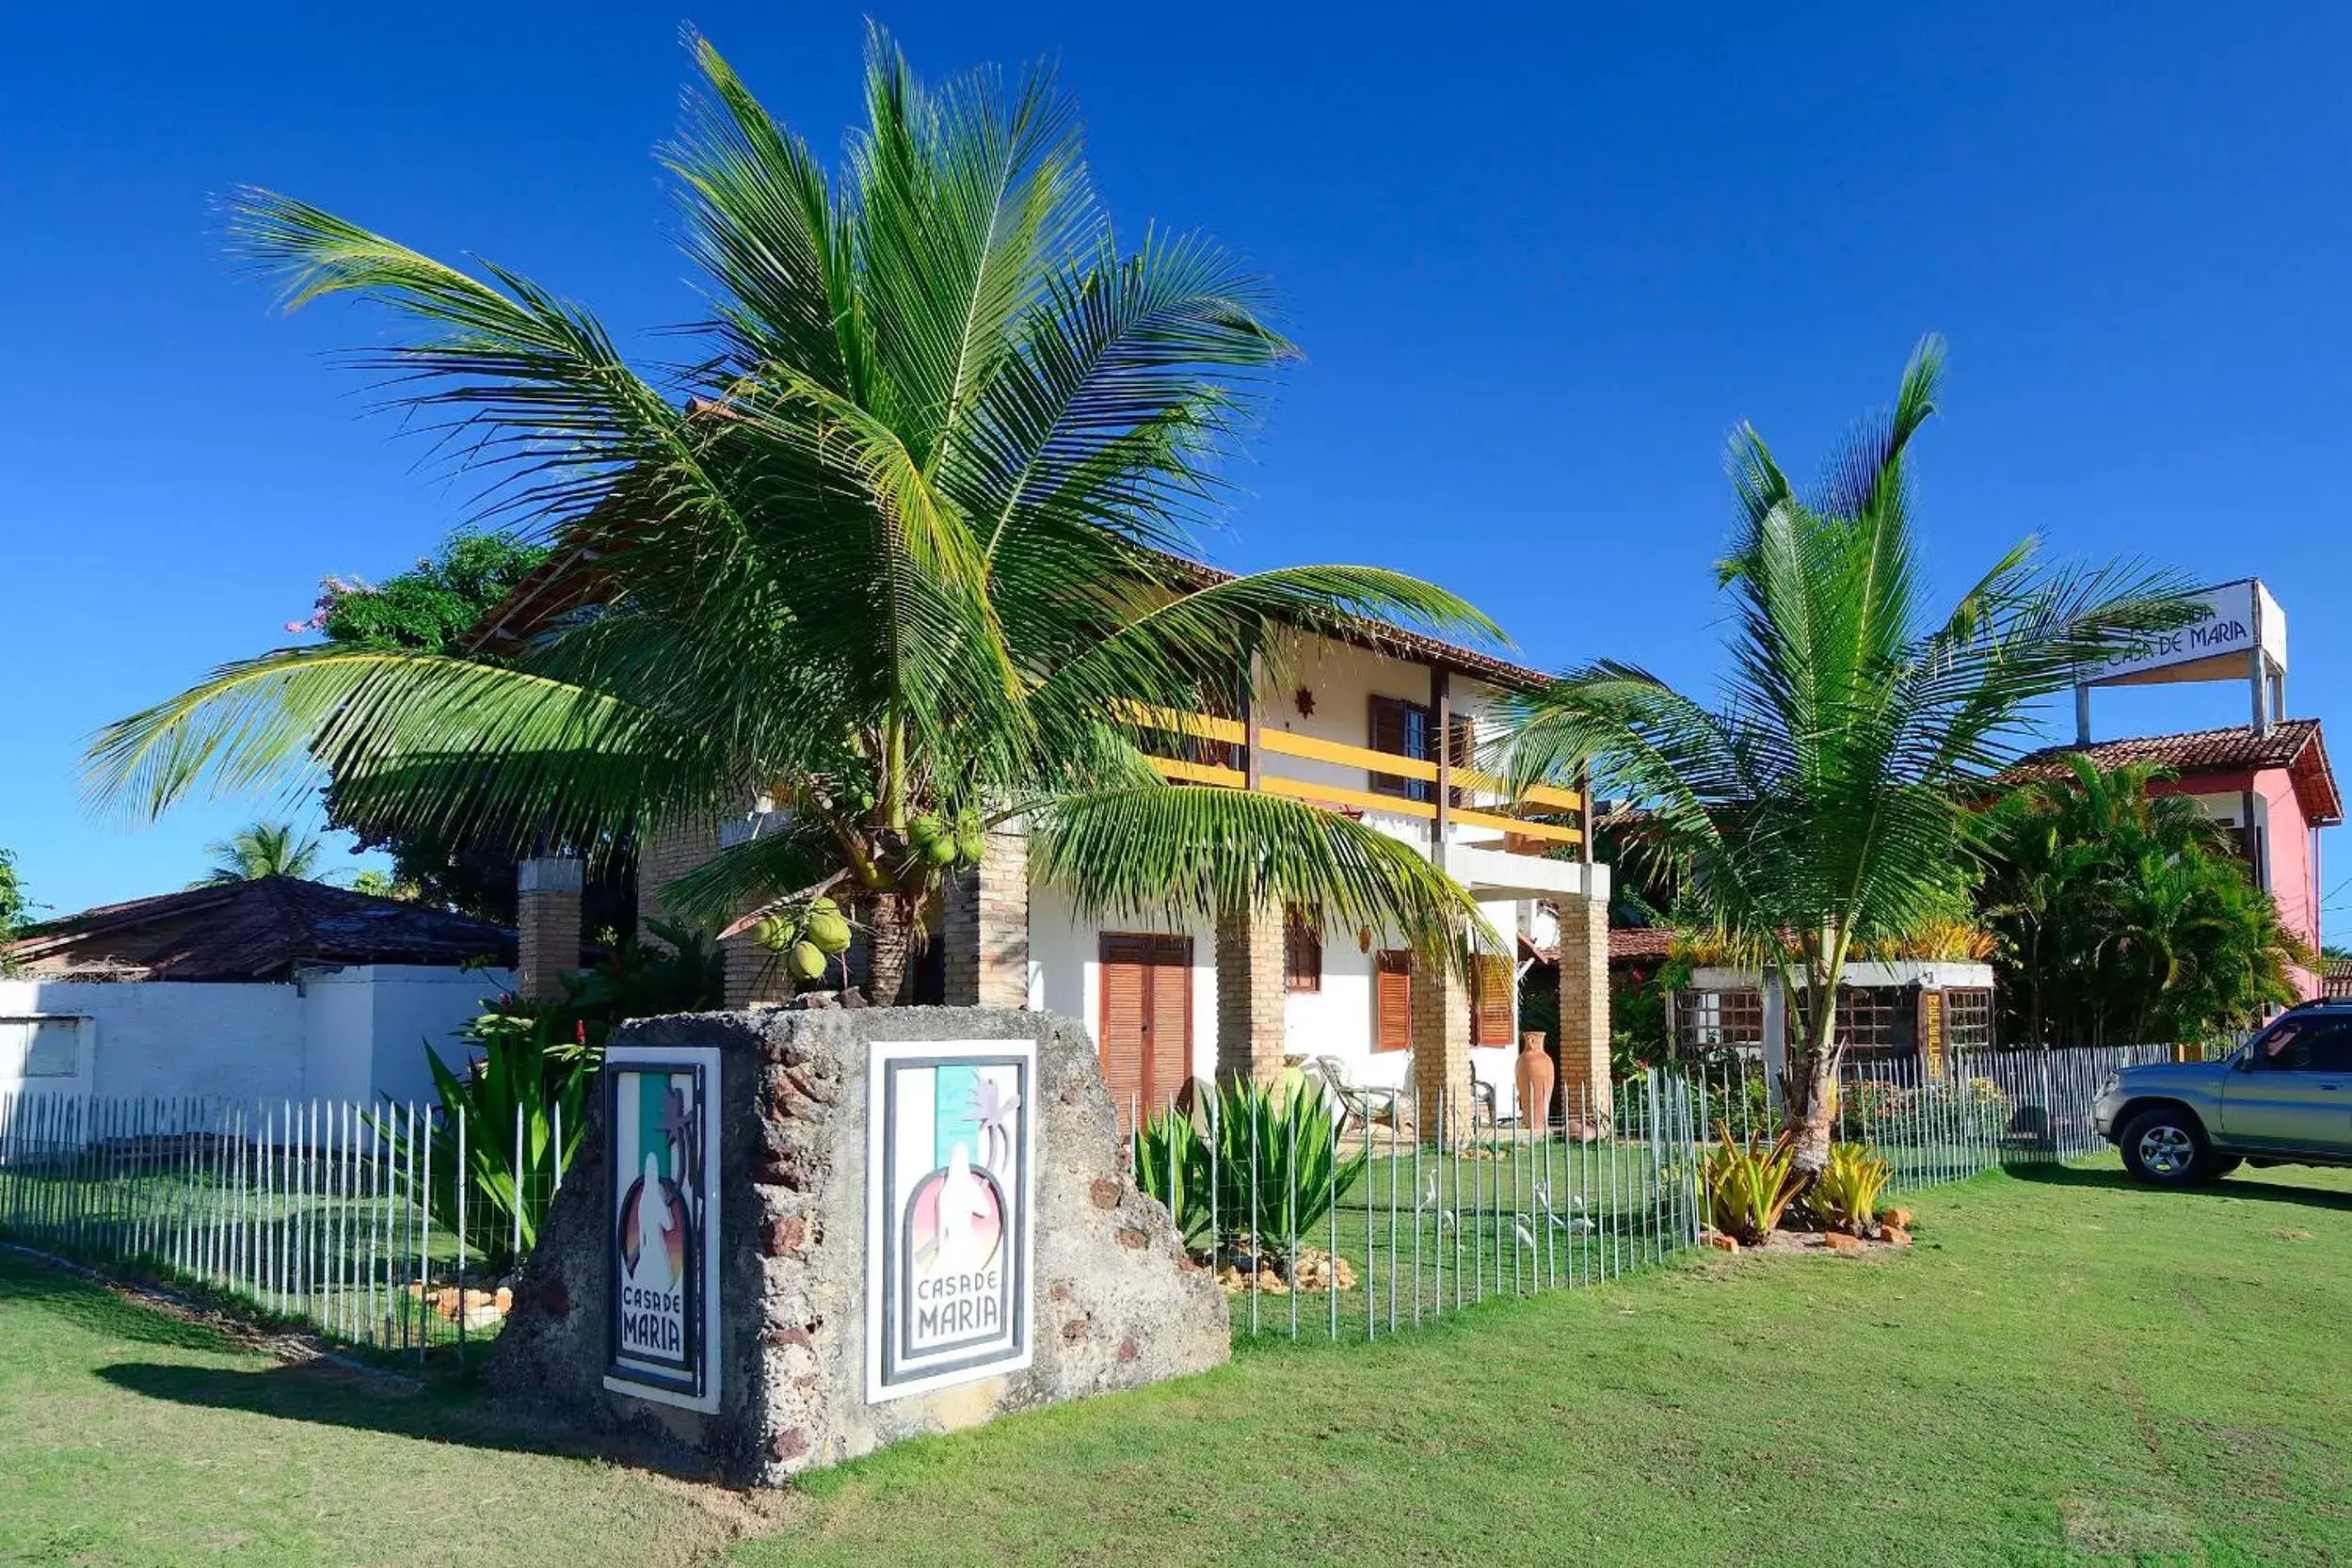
[[985, 925], [1584, 1079], [547, 923], [1250, 996], [1441, 1046]]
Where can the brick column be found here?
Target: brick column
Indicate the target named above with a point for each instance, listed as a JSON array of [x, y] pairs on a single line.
[[1584, 1082], [1250, 996], [1441, 1046], [547, 923], [668, 855], [985, 925]]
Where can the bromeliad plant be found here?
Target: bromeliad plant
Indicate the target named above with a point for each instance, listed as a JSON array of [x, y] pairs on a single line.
[[896, 550], [1266, 1169], [1749, 1186], [1845, 1196]]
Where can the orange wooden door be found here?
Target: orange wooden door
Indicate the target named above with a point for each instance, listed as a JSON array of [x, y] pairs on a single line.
[[1146, 1023]]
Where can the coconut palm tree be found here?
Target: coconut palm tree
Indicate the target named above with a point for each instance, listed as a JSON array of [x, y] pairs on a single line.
[[895, 546], [264, 849], [1821, 801]]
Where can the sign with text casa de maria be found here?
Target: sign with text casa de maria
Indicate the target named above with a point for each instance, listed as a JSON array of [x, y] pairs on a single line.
[[661, 1160], [949, 1189]]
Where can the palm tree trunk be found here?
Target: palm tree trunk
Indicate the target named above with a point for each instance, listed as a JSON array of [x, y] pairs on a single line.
[[1809, 1092], [890, 942]]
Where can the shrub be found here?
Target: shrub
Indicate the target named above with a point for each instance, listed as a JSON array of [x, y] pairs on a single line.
[[1267, 1166], [1749, 1186], [1845, 1196]]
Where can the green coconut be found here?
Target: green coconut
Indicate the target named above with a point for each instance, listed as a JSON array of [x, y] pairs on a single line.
[[940, 850], [828, 930], [970, 846], [806, 961], [924, 831], [772, 932]]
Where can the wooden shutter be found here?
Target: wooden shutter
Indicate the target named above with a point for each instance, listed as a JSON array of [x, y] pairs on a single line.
[[1392, 1001], [1302, 949], [1399, 729], [1169, 1061], [1147, 1019], [1462, 751], [1490, 1003], [1125, 1018]]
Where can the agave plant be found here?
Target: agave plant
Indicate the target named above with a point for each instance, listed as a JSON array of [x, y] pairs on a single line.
[[1267, 1167]]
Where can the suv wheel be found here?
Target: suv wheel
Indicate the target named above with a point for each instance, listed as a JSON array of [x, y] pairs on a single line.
[[2165, 1147]]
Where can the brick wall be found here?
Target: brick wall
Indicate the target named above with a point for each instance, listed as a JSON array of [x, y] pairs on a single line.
[[1250, 996], [1584, 1080], [985, 925]]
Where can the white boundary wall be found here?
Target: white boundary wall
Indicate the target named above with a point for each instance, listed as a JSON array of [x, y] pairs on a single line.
[[353, 1033]]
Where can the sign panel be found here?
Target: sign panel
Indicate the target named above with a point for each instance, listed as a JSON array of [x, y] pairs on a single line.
[[2236, 621], [951, 1151], [661, 1155]]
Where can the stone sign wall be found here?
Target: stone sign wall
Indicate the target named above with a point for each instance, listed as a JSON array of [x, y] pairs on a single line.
[[922, 1223]]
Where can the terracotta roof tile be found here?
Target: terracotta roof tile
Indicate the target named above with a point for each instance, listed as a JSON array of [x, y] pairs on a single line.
[[257, 930], [2294, 744]]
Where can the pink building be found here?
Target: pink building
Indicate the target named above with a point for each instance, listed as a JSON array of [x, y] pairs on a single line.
[[2272, 787]]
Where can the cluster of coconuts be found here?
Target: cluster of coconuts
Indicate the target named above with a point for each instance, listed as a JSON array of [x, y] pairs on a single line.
[[818, 934], [951, 846]]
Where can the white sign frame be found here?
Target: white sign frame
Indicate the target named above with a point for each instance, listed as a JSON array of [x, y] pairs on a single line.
[[698, 1388], [892, 1372]]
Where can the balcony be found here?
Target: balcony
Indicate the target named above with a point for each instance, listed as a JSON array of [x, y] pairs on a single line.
[[1487, 843]]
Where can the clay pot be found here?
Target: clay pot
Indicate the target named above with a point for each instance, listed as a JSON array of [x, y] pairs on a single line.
[[1533, 1075]]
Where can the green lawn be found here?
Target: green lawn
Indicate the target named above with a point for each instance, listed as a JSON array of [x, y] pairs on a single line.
[[2066, 1369]]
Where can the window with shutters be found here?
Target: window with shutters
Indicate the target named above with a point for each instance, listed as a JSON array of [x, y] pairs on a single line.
[[1392, 1001], [1490, 1000], [1401, 729], [1302, 949], [1147, 1021]]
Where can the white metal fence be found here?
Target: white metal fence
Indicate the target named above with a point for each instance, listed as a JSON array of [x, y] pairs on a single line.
[[322, 1213], [1334, 1217], [1412, 1226]]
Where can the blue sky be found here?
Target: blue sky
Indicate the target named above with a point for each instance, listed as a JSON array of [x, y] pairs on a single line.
[[1540, 262]]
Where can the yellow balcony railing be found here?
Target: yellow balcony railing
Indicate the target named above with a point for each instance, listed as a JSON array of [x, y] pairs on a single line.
[[1281, 743]]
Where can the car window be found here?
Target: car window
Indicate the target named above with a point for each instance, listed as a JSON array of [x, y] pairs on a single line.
[[2306, 1045]]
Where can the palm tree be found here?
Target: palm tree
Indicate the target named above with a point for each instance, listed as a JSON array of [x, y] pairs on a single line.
[[893, 549], [1822, 800], [2128, 916], [264, 849]]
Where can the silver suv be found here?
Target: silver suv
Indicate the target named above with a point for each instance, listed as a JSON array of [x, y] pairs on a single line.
[[2282, 1098]]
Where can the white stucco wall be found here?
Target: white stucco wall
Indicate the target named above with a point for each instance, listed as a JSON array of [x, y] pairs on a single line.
[[355, 1033]]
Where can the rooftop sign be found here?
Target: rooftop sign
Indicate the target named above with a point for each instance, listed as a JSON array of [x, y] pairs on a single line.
[[2238, 624]]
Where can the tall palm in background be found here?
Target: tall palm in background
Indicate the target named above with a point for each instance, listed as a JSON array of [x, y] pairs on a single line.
[[890, 549], [1823, 800], [264, 849]]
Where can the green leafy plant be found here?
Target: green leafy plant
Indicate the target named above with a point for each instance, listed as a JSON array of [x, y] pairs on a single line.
[[1845, 1196], [523, 1082], [1268, 1166], [1749, 1186]]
